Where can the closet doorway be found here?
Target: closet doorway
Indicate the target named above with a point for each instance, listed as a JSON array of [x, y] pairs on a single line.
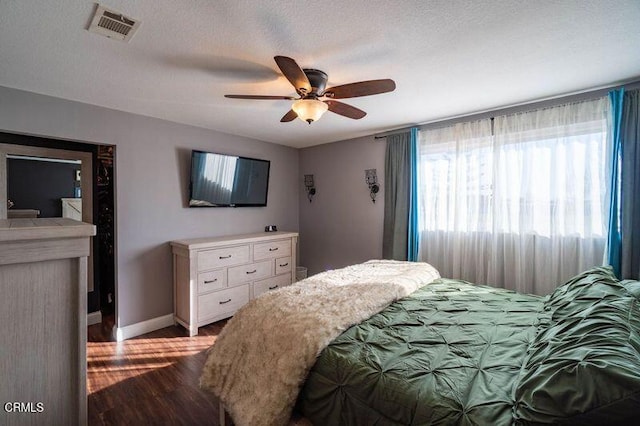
[[90, 199]]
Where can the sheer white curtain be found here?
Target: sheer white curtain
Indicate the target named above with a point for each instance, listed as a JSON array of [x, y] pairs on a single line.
[[521, 205]]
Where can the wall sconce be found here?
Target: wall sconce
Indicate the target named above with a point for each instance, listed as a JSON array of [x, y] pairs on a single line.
[[310, 186], [371, 178]]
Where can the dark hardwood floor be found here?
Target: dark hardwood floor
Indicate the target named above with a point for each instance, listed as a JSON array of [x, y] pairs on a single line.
[[151, 379]]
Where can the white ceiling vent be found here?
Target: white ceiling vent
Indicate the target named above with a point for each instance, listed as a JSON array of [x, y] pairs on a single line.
[[112, 24]]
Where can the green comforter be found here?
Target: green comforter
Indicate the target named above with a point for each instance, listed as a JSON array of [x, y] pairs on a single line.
[[462, 354]]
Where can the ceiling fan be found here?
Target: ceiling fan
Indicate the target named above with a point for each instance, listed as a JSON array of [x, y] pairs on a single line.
[[310, 85]]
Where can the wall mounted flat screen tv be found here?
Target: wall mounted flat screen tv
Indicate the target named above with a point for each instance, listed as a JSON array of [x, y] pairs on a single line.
[[219, 180]]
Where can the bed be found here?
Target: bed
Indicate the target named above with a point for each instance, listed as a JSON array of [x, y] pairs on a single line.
[[433, 351]]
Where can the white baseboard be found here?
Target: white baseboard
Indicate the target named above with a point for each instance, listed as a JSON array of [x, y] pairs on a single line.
[[133, 330], [94, 318]]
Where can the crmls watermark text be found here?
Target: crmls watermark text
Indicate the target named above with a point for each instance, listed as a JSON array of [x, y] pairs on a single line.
[[24, 407]]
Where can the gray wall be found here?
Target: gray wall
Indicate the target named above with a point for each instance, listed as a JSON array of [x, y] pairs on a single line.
[[152, 178], [341, 226]]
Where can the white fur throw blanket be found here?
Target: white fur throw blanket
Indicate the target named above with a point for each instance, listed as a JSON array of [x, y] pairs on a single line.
[[262, 356]]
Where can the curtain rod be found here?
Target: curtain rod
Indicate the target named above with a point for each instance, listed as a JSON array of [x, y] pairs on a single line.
[[385, 136], [632, 84]]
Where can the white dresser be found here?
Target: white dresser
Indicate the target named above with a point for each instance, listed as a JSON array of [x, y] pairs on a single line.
[[72, 208], [214, 277], [43, 312]]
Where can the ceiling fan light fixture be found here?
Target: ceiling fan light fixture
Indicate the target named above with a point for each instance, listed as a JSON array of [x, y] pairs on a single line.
[[309, 109], [310, 85]]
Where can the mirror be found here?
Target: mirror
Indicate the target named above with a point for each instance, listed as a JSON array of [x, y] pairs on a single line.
[[43, 187], [13, 154], [8, 152]]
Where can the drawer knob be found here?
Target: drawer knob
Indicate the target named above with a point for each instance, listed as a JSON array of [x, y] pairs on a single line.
[[226, 301], [282, 265], [211, 281], [224, 257], [252, 272], [273, 288], [273, 249]]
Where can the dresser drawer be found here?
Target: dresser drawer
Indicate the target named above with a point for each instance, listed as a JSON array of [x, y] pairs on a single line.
[[212, 280], [251, 272], [283, 265], [211, 259], [223, 302], [272, 250], [271, 284]]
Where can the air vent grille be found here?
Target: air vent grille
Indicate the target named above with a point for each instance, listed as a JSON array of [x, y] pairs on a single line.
[[112, 24]]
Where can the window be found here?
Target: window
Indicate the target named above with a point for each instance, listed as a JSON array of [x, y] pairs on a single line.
[[499, 199]]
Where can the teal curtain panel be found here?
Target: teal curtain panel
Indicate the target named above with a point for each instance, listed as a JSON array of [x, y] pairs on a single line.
[[413, 232], [614, 237]]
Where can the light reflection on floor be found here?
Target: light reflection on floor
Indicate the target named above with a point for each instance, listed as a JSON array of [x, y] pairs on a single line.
[[111, 362]]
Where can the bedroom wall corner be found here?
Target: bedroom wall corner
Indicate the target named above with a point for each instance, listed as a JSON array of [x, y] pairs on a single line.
[[341, 226]]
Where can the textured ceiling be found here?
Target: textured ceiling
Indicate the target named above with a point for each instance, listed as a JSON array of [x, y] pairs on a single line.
[[447, 57]]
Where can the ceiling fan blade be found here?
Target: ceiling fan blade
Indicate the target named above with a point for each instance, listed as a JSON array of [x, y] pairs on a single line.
[[362, 88], [290, 116], [345, 110], [288, 98], [294, 74]]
